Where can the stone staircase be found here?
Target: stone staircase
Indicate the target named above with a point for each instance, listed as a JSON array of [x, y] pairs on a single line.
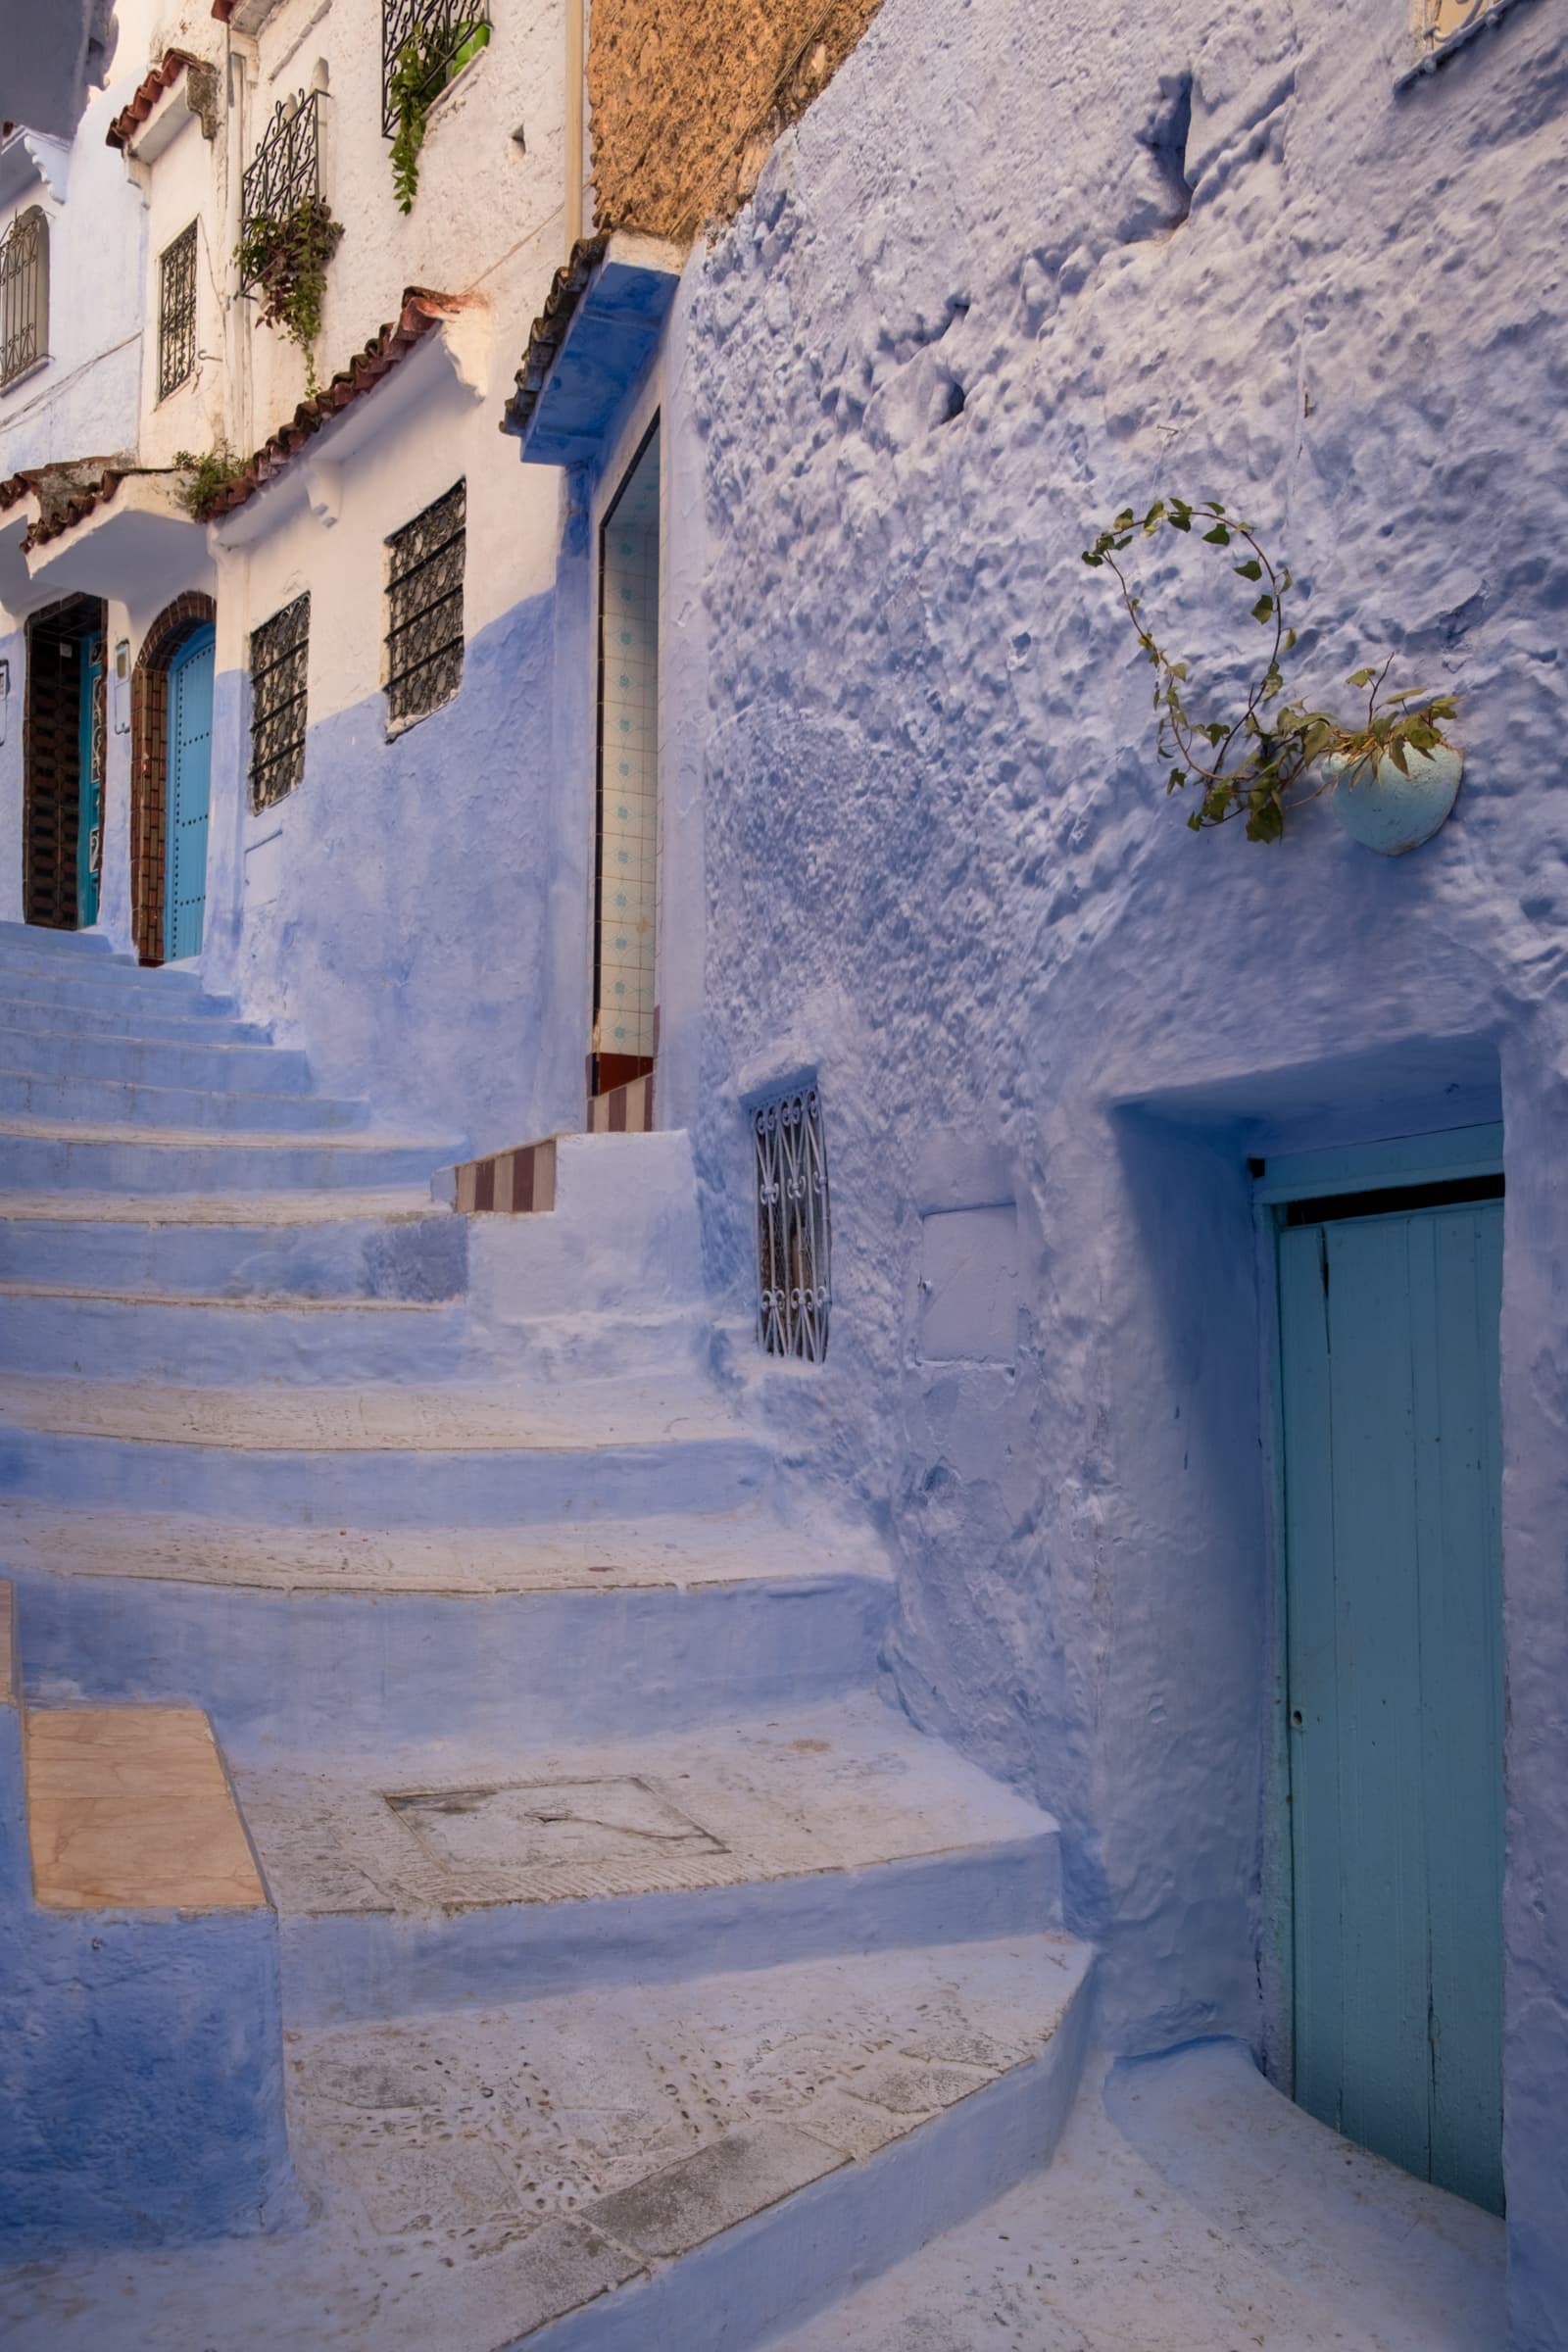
[[642, 1978]]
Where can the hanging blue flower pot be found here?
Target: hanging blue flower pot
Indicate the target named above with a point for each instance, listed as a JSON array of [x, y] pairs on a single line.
[[1391, 812]]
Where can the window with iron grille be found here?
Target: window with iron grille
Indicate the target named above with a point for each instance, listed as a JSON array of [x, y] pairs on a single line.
[[279, 656], [23, 294], [425, 607], [794, 1278], [437, 36], [285, 171], [177, 312]]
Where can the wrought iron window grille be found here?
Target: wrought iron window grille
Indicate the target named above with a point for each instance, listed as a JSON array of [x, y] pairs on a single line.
[[285, 171], [23, 294], [442, 27], [425, 607], [279, 660], [793, 1235], [177, 312]]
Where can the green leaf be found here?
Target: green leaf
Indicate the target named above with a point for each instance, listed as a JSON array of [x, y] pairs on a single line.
[[1263, 610], [1396, 754], [1176, 779], [1219, 537], [1361, 677], [1182, 522], [1290, 641], [1153, 519], [1124, 521], [1252, 569]]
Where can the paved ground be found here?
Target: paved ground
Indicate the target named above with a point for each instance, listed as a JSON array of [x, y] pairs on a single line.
[[1191, 2209]]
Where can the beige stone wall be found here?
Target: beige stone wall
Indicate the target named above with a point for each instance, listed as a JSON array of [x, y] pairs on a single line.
[[687, 96]]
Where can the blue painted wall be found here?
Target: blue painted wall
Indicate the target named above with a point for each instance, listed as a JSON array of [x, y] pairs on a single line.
[[406, 927], [940, 868]]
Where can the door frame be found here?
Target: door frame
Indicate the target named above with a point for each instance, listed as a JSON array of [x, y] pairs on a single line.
[[1443, 1155], [149, 764]]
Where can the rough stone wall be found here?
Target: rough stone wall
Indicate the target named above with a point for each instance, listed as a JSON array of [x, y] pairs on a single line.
[[995, 284], [688, 96]]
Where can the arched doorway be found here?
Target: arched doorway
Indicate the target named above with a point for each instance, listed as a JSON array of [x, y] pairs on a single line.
[[63, 765], [177, 649]]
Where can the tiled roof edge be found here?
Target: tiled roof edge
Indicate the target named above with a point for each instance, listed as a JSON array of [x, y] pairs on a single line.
[[130, 120], [423, 309], [74, 510], [549, 329]]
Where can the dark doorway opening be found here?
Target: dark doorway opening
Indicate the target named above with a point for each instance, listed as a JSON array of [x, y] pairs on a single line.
[[63, 765]]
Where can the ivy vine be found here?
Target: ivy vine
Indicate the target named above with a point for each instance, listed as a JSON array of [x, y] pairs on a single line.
[[1249, 765], [286, 259], [425, 63]]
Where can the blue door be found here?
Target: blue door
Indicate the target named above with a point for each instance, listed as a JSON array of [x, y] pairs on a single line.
[[190, 753], [1395, 1685], [90, 769]]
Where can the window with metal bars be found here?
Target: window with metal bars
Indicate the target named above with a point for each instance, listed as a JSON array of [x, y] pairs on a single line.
[[279, 658], [425, 607], [793, 1241], [285, 171], [437, 37], [23, 294], [177, 312]]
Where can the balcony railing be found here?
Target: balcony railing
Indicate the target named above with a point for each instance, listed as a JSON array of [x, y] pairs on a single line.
[[439, 34], [286, 169], [23, 294]]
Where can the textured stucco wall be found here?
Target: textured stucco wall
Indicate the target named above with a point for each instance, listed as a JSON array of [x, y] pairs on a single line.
[[686, 97], [961, 321]]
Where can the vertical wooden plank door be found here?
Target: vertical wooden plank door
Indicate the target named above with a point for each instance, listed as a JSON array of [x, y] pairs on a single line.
[[1394, 1631], [90, 767], [190, 751]]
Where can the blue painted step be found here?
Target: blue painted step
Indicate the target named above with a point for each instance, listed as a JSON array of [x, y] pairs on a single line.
[[107, 1102], [218, 1340], [313, 1246], [117, 1019], [192, 1059], [40, 939], [41, 1156]]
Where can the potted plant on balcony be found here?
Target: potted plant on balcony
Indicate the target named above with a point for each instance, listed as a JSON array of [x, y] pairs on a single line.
[[1395, 772]]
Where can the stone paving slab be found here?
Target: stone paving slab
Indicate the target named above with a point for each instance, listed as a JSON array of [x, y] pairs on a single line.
[[129, 1808], [466, 2167], [845, 1786]]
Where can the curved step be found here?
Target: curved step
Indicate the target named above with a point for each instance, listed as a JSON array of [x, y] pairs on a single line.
[[431, 1876], [209, 1110], [355, 1637], [341, 1243], [380, 1456], [43, 1153], [684, 2169]]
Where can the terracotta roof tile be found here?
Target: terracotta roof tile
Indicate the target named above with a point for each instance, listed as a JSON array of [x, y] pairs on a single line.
[[421, 310], [130, 120], [13, 490], [549, 329]]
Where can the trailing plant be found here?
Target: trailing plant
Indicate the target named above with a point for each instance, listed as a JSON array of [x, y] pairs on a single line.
[[425, 63], [1247, 765], [286, 259], [206, 476]]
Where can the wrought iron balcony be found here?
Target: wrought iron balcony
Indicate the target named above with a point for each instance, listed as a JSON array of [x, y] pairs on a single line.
[[23, 294], [285, 171]]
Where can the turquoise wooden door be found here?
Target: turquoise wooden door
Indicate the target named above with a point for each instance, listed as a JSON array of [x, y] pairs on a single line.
[[90, 769], [190, 753], [1395, 1691]]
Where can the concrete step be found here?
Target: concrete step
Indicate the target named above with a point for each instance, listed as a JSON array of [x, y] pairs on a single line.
[[66, 1329], [53, 980], [458, 1872], [144, 2090], [39, 938], [133, 1059], [119, 1019], [337, 1244], [115, 1103], [460, 1455], [356, 1638], [681, 2169], [43, 1154]]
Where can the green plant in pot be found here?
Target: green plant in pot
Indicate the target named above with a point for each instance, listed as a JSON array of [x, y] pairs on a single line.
[[426, 63], [1394, 772], [285, 259]]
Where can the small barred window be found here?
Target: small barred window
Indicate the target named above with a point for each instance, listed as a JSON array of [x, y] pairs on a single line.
[[23, 294], [279, 656], [177, 312], [794, 1275], [425, 607]]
